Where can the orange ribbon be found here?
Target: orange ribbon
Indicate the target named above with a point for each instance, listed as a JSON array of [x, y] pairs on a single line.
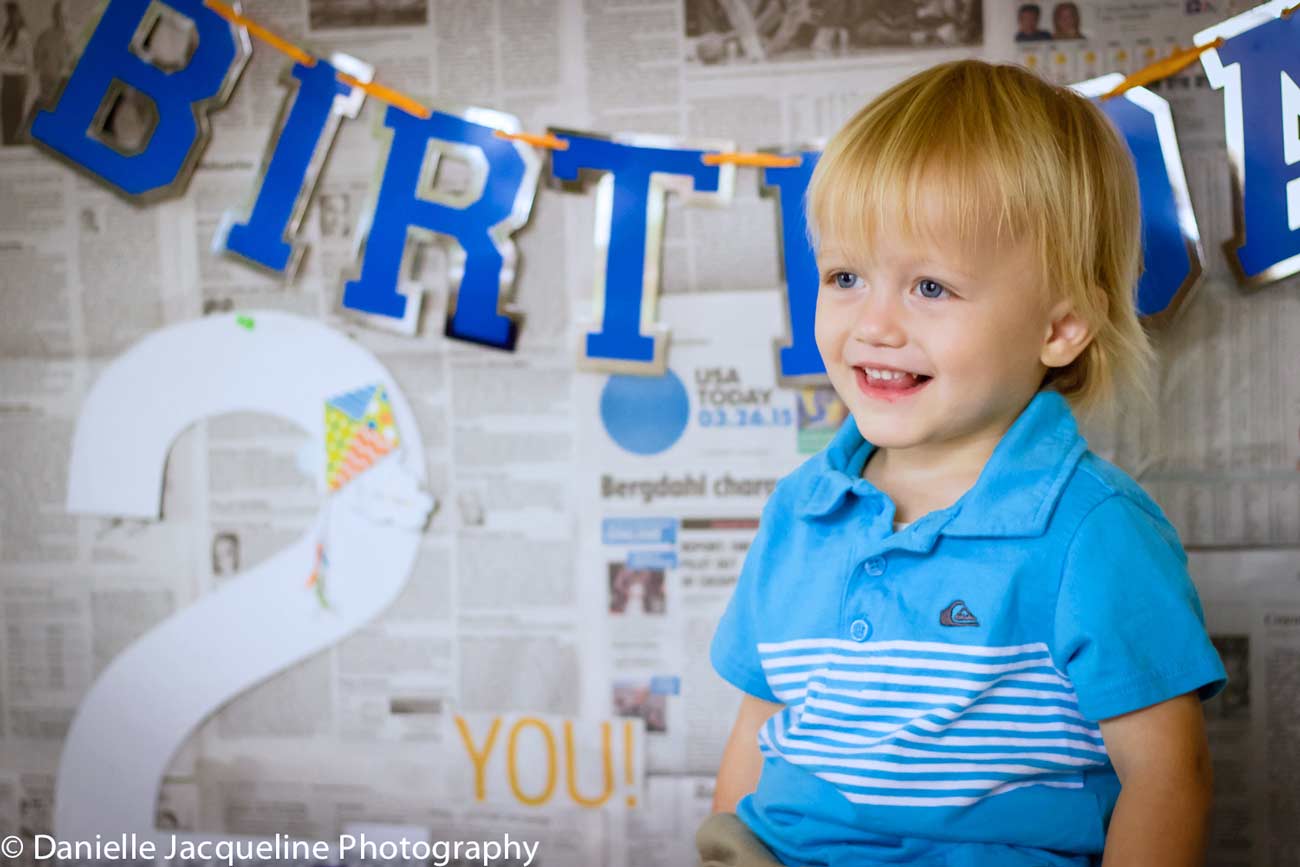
[[757, 160], [279, 43], [549, 141], [1176, 62]]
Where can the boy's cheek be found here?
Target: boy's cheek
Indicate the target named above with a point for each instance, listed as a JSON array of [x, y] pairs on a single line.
[[830, 326]]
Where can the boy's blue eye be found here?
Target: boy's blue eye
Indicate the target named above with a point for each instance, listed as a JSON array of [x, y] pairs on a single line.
[[930, 289], [845, 279]]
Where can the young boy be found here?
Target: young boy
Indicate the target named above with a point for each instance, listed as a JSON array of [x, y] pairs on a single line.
[[963, 638]]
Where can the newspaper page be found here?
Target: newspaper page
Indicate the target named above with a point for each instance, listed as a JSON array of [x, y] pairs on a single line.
[[676, 471], [1252, 610]]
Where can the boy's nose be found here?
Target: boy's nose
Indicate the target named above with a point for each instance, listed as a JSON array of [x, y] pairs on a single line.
[[878, 320]]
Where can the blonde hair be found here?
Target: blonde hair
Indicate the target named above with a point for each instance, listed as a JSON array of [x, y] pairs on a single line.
[[1000, 140]]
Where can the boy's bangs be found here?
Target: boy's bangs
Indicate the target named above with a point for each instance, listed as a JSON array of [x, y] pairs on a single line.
[[937, 159], [946, 200], [937, 204]]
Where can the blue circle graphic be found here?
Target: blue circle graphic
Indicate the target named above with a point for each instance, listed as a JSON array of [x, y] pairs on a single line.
[[645, 414]]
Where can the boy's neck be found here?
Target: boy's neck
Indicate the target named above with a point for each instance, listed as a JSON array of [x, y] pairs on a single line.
[[926, 478]]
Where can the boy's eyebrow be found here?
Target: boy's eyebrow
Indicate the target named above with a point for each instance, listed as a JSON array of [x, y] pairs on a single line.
[[834, 257], [956, 270]]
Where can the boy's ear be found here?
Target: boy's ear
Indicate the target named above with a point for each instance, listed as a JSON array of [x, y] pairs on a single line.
[[1068, 334]]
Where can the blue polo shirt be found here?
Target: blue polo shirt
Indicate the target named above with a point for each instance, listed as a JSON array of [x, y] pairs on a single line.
[[942, 684]]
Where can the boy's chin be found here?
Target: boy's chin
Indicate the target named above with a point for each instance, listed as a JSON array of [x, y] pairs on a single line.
[[885, 433]]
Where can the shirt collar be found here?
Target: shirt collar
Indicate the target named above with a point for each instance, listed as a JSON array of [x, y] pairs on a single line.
[[1013, 496]]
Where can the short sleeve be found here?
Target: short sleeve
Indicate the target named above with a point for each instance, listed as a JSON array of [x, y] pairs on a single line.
[[734, 650], [1129, 628]]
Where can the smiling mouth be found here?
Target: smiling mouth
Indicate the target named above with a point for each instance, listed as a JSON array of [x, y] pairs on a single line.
[[889, 383]]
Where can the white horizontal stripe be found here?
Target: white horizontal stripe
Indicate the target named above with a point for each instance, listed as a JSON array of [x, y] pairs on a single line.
[[959, 741], [977, 706], [908, 662], [913, 768], [931, 725], [775, 680], [912, 679], [919, 646], [895, 749], [939, 698], [869, 725], [934, 785], [949, 800], [964, 741], [1065, 701]]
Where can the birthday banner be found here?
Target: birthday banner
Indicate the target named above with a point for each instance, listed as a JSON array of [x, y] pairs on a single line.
[[1252, 58]]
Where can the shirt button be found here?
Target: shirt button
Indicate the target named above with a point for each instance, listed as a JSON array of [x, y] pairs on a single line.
[[859, 630], [875, 565]]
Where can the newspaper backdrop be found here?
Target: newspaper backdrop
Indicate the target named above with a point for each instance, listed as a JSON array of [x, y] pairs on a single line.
[[534, 593]]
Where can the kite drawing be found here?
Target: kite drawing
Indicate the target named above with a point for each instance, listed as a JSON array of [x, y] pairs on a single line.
[[359, 430]]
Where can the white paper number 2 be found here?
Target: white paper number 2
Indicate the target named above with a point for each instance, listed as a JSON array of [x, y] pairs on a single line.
[[153, 695]]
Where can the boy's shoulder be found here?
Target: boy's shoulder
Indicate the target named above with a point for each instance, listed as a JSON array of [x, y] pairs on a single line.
[[1101, 492]]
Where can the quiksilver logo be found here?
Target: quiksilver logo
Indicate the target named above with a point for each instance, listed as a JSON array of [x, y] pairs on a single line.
[[957, 614]]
